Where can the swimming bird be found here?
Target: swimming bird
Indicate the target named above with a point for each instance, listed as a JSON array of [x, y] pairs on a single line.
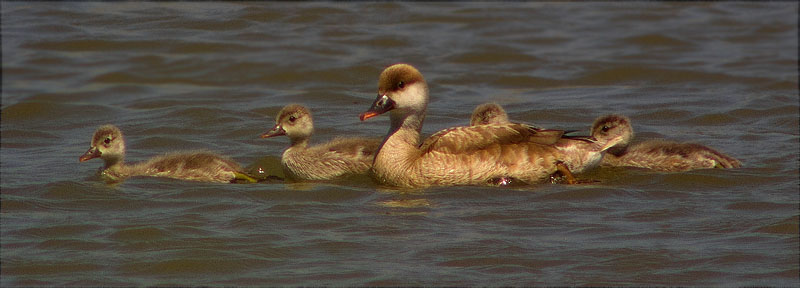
[[666, 156], [580, 152], [583, 152], [337, 158], [108, 144], [470, 155]]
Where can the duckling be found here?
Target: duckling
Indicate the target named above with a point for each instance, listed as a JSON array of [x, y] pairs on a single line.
[[472, 155], [666, 156], [488, 113], [337, 158], [580, 152], [584, 152], [108, 144]]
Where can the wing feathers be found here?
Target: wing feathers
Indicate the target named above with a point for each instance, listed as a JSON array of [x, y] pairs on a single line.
[[468, 139]]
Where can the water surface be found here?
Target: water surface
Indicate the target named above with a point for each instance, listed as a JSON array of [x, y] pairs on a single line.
[[213, 75]]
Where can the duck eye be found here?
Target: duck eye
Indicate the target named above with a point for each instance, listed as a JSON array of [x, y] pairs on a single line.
[[401, 85], [292, 118], [108, 140], [606, 128]]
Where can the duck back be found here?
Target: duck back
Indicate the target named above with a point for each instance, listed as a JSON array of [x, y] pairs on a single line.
[[337, 158], [197, 166], [469, 156], [670, 157]]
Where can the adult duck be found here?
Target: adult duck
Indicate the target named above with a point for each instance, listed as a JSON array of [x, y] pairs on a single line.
[[470, 155]]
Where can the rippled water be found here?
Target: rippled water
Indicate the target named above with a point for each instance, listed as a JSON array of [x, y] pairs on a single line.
[[212, 76]]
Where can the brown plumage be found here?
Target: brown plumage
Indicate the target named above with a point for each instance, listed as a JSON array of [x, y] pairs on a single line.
[[108, 144], [667, 156], [457, 156], [488, 113], [337, 158], [582, 153], [579, 152]]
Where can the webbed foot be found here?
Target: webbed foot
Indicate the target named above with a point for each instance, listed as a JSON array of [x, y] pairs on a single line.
[[243, 177], [563, 171]]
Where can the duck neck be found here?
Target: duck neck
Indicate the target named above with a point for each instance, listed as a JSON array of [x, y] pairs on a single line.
[[400, 147], [115, 167], [299, 143], [617, 150], [114, 162], [406, 127]]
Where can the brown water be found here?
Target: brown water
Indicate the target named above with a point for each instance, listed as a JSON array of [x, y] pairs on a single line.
[[209, 75]]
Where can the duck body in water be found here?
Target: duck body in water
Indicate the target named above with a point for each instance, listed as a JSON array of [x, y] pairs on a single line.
[[470, 155], [666, 156], [338, 158], [108, 144], [669, 156], [580, 153]]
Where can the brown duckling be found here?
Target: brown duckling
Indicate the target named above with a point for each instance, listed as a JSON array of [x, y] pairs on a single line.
[[108, 144], [337, 158], [666, 156], [584, 152], [488, 113], [472, 155], [580, 152]]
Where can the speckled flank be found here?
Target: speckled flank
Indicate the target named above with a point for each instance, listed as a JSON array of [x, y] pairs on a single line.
[[669, 156], [579, 153]]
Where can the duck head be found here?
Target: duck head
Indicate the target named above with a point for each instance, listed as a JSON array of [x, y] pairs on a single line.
[[488, 113], [613, 130], [294, 121], [401, 90], [107, 144]]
